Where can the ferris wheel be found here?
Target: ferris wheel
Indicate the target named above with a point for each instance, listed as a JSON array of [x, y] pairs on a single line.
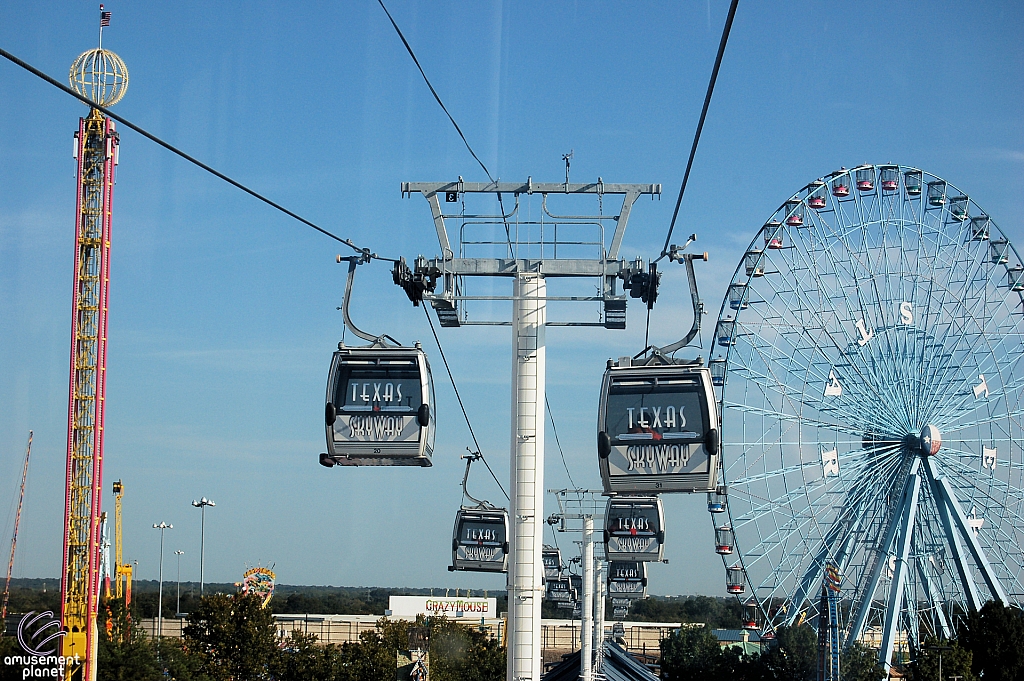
[[871, 388]]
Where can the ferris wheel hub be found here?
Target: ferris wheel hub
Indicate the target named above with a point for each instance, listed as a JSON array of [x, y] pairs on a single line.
[[931, 440]]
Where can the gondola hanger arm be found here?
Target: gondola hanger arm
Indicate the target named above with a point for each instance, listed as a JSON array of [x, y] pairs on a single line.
[[353, 262], [470, 458], [675, 254]]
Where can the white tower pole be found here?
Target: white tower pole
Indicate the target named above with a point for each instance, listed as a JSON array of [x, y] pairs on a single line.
[[527, 484], [587, 629]]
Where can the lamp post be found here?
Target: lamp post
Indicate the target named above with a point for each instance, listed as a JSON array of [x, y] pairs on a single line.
[[177, 608], [160, 603], [201, 505], [939, 649]]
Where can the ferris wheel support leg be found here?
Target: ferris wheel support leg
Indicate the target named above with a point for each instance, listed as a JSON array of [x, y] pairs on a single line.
[[953, 514], [894, 606], [956, 547], [934, 597], [527, 472], [813, 573], [876, 572]]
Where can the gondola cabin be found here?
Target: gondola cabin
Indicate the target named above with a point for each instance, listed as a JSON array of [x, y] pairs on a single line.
[[999, 251], [912, 182], [865, 179], [841, 185], [753, 263], [378, 409], [937, 193], [750, 615], [980, 228], [627, 580], [480, 540], [889, 178], [559, 590], [552, 559], [773, 235], [735, 582], [726, 331], [794, 210], [816, 198], [718, 500], [1015, 278], [717, 371], [634, 529], [958, 208], [739, 297], [725, 542], [657, 428]]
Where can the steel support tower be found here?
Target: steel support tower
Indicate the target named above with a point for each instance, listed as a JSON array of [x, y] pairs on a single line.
[[539, 245], [96, 149]]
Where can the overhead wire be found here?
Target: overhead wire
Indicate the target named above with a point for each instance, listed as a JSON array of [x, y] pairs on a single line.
[[461, 404], [191, 159], [554, 430], [700, 124], [437, 98]]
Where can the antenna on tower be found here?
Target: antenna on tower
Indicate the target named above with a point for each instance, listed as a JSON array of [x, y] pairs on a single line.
[[567, 158]]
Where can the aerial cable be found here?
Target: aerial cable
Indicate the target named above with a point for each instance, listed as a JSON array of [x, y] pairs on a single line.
[[461, 405], [551, 417], [170, 147], [700, 124], [437, 97]]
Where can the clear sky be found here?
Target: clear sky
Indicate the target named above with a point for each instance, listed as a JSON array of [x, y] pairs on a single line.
[[223, 314]]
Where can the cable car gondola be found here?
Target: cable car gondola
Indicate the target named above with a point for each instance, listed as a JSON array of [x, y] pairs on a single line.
[[559, 590], [634, 529], [379, 398], [480, 537], [552, 559], [627, 580], [658, 419]]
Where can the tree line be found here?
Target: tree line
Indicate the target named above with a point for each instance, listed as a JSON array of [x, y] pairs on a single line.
[[989, 647]]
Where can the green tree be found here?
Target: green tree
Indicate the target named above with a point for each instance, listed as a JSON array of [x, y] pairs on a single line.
[[955, 662], [461, 653], [995, 637], [860, 663], [124, 653], [302, 659], [794, 657], [233, 637], [690, 654]]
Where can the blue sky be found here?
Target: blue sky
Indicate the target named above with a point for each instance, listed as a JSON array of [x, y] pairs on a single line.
[[223, 311]]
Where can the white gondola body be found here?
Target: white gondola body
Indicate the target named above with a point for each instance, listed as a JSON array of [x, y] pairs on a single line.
[[480, 540], [552, 559], [627, 580], [381, 400], [634, 529], [654, 430]]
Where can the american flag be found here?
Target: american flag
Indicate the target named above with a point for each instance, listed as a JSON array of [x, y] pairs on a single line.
[[104, 18]]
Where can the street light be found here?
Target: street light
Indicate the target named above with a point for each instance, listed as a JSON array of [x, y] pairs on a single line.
[[177, 609], [939, 649], [160, 604], [202, 504]]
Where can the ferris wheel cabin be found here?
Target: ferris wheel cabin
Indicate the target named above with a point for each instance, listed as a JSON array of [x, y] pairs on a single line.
[[816, 196], [658, 429], [378, 408], [889, 178], [773, 234], [865, 178], [718, 500], [912, 181], [725, 541], [980, 226], [841, 185], [735, 582], [480, 540], [627, 580], [634, 529], [794, 210]]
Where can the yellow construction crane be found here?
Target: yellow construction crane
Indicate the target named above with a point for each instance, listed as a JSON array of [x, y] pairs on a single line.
[[122, 570]]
